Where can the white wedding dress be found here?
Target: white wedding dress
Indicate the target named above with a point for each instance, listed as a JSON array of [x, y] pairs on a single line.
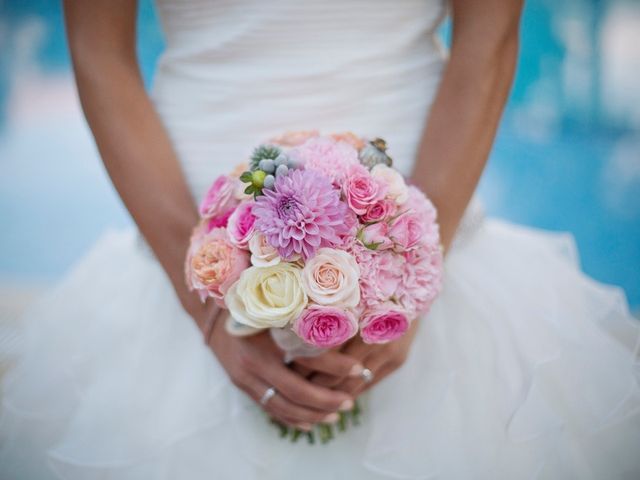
[[524, 368]]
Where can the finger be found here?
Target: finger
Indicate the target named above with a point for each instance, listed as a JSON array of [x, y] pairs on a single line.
[[358, 351], [281, 408], [333, 363], [355, 386], [299, 369], [301, 391]]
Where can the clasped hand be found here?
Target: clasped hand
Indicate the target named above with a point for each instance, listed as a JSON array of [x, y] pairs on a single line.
[[310, 390]]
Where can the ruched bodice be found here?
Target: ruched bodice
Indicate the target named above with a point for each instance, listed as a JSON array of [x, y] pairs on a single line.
[[237, 72]]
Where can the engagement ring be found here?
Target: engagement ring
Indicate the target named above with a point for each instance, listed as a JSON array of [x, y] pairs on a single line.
[[367, 375], [268, 395]]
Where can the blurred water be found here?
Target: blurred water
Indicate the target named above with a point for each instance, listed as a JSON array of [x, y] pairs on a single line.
[[567, 156]]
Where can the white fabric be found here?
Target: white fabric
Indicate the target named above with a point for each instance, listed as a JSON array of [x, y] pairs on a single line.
[[524, 368]]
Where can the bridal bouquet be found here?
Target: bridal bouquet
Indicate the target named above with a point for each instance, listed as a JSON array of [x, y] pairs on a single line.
[[318, 239]]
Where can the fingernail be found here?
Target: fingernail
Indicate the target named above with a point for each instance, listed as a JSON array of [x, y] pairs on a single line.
[[305, 427], [346, 405], [356, 370], [331, 418]]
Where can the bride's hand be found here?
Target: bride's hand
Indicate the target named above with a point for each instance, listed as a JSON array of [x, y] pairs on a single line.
[[255, 363], [381, 360]]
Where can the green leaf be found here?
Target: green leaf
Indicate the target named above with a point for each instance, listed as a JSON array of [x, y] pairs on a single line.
[[250, 189], [246, 177]]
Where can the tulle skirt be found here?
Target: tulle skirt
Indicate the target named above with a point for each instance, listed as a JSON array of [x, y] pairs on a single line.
[[524, 367]]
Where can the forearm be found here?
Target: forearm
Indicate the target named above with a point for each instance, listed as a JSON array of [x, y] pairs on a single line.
[[463, 120], [135, 149]]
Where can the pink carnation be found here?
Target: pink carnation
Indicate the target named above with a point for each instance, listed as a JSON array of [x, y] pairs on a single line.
[[327, 156], [302, 213], [241, 223], [380, 274], [325, 327], [383, 324], [421, 280], [361, 189], [220, 197], [213, 264]]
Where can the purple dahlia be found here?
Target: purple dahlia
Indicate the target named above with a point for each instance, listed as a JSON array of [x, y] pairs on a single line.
[[302, 213]]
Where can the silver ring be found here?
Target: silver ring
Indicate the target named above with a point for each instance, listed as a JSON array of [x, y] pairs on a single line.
[[268, 395], [367, 375]]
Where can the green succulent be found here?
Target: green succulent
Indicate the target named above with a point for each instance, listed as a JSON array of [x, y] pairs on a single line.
[[261, 153]]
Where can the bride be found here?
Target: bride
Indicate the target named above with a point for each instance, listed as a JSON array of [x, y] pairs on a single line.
[[524, 367]]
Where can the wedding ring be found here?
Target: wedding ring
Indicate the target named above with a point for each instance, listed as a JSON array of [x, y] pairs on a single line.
[[268, 395], [367, 375]]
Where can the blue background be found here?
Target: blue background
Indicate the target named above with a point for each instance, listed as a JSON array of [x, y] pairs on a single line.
[[567, 156]]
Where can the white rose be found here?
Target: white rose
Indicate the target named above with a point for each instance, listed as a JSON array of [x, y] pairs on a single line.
[[262, 253], [266, 297], [396, 186], [331, 278]]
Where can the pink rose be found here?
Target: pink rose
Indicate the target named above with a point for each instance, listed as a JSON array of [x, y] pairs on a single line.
[[361, 189], [213, 264], [421, 206], [376, 236], [407, 231], [220, 197], [219, 221], [240, 226], [383, 324], [325, 327], [378, 211]]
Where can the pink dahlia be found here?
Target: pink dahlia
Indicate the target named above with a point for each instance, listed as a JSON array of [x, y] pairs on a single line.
[[330, 157], [302, 213]]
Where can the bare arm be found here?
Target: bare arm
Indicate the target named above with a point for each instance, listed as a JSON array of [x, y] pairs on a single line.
[[144, 169], [466, 111], [130, 137]]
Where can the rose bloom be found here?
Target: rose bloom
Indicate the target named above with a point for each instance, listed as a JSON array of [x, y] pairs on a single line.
[[219, 221], [213, 264], [361, 189], [396, 186], [263, 254], [220, 197], [379, 211], [376, 236], [408, 231], [325, 327], [266, 297], [240, 226], [421, 206], [350, 138], [331, 278], [293, 139], [383, 324]]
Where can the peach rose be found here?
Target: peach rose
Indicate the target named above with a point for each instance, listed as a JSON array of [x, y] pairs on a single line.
[[213, 264], [331, 278]]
